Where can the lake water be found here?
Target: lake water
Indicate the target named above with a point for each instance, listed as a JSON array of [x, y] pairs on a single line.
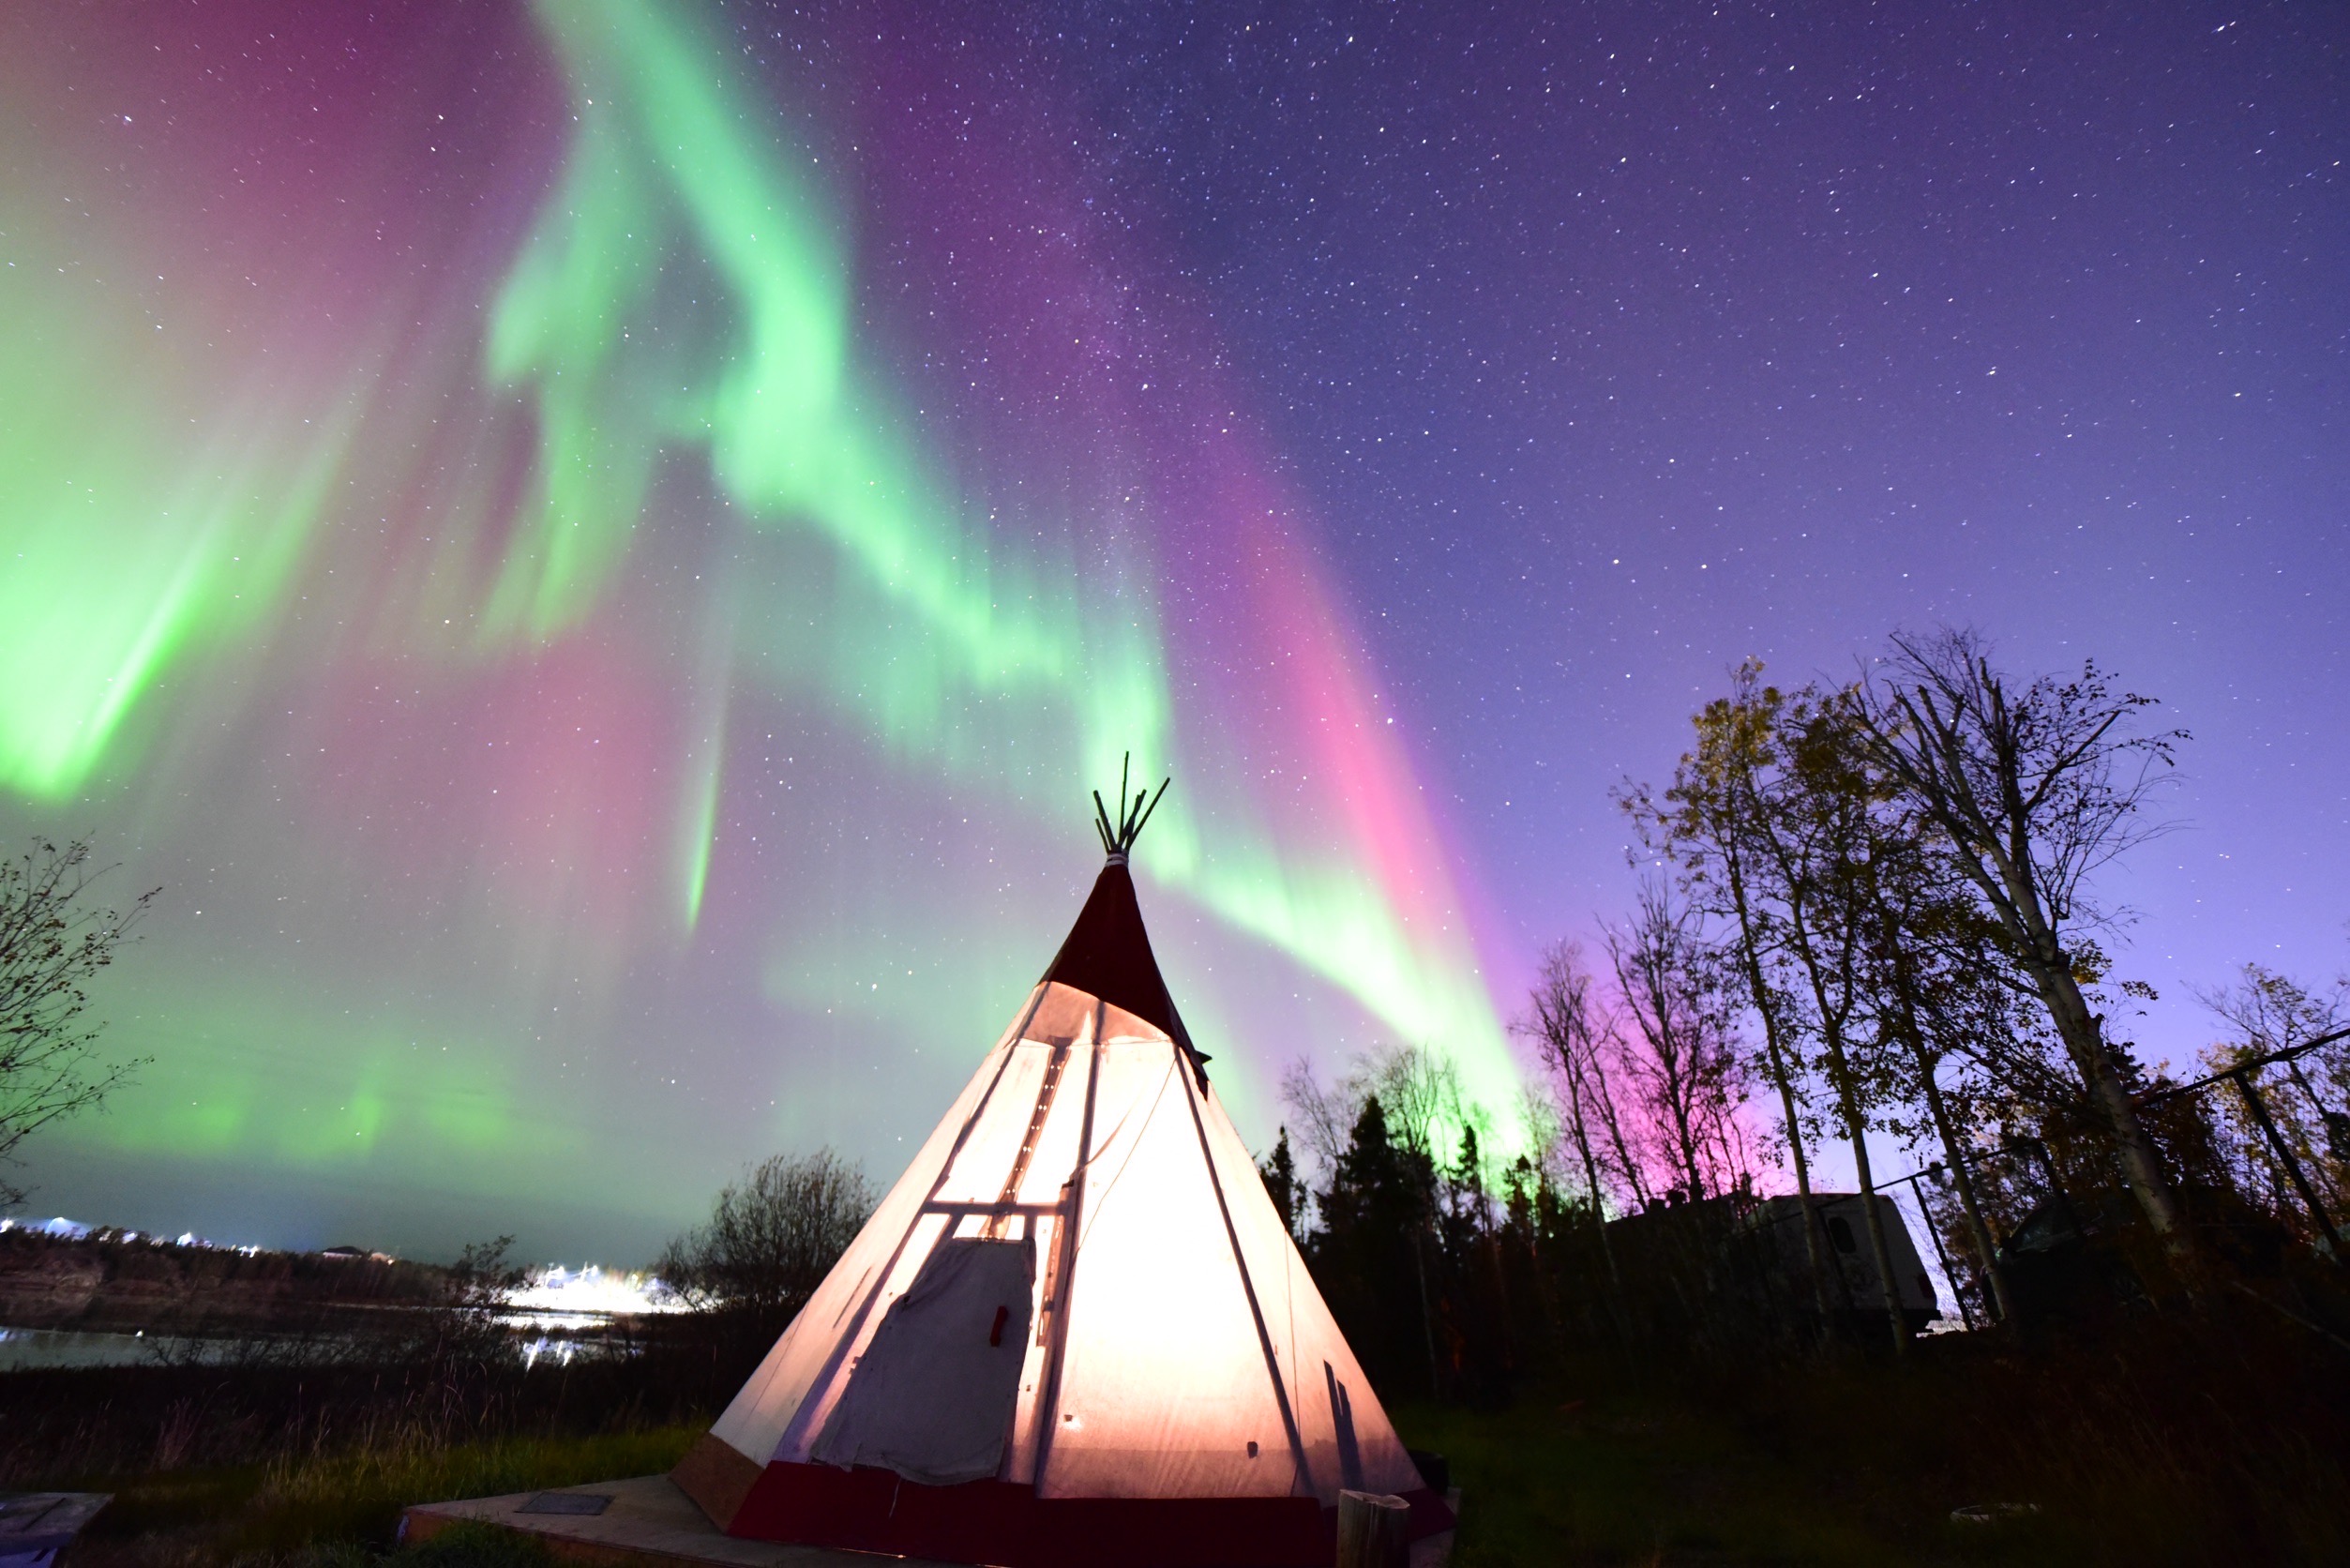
[[29, 1350], [33, 1349]]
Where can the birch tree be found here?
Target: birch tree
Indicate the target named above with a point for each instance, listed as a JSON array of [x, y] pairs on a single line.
[[1770, 819], [1933, 976], [2035, 789], [1707, 824], [1814, 832]]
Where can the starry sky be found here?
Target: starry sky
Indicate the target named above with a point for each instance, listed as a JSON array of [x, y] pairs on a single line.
[[595, 550]]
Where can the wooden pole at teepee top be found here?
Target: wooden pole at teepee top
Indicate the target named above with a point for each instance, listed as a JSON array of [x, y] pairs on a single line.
[[1117, 837]]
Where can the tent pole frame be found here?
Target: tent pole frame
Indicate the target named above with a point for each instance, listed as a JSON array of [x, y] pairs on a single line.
[[1047, 1417], [796, 1431], [1193, 1095]]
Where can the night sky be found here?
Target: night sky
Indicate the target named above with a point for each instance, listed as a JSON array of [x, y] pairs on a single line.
[[594, 551]]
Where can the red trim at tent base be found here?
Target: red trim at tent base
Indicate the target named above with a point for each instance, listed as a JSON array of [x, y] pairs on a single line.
[[998, 1522]]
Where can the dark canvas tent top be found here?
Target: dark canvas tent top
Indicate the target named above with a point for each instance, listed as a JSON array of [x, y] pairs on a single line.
[[1108, 953]]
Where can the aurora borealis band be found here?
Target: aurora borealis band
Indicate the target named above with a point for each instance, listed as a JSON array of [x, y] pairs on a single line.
[[595, 549], [597, 574]]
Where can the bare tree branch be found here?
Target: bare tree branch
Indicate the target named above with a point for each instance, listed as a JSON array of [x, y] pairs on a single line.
[[54, 938]]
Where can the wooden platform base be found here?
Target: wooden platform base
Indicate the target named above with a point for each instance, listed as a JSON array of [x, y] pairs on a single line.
[[650, 1522]]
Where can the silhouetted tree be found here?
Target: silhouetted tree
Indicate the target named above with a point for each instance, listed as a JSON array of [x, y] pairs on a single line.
[[1561, 1021], [1679, 1047], [1280, 1171], [1370, 1254], [771, 1239], [2265, 1012], [1932, 972], [2035, 789], [53, 940], [1713, 823]]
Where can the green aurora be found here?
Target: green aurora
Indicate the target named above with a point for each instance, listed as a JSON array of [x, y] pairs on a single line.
[[212, 501]]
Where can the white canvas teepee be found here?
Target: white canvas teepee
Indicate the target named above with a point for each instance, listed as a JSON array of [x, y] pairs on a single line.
[[1077, 1330]]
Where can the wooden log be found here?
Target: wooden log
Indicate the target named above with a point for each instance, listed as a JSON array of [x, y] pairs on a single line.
[[1373, 1532]]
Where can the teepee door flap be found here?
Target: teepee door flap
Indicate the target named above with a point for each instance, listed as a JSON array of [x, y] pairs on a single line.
[[931, 1397]]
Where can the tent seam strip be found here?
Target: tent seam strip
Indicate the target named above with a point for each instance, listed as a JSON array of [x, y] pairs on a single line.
[[1248, 1288]]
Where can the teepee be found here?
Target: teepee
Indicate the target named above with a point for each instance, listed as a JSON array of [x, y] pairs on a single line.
[[1077, 1330]]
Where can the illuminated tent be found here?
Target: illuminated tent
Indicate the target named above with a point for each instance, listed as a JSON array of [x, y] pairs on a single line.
[[1077, 1330]]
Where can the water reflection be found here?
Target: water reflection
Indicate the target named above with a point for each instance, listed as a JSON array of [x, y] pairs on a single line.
[[556, 1337], [555, 1315], [33, 1349]]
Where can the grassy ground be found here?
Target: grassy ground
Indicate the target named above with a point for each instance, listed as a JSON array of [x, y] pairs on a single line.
[[1857, 1464], [1633, 1480], [2173, 1443], [1643, 1480], [342, 1507]]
